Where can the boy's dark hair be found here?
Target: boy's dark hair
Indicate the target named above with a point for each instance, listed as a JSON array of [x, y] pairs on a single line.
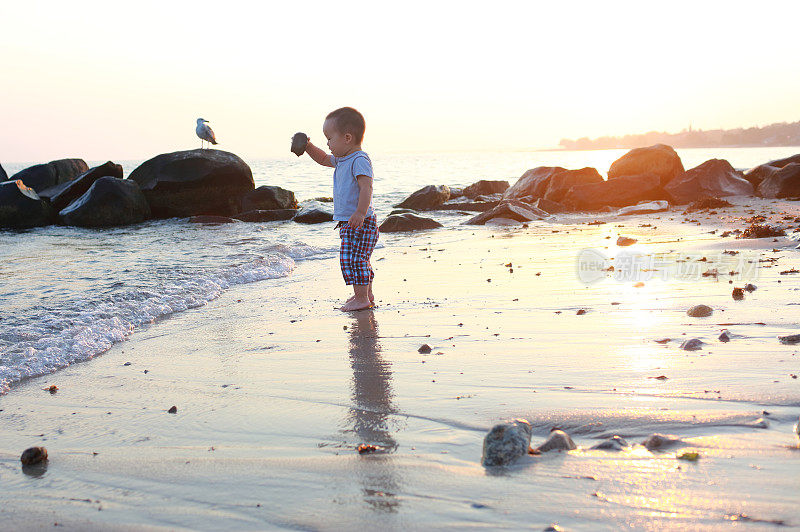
[[348, 120]]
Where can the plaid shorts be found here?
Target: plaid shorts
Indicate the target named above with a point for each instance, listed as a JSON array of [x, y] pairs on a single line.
[[357, 246]]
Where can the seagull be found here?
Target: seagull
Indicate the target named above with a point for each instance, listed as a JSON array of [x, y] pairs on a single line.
[[204, 132]]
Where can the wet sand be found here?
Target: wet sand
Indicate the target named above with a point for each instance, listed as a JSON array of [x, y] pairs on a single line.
[[275, 389]]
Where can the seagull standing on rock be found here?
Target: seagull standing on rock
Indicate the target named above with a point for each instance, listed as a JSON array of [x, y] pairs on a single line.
[[204, 132]]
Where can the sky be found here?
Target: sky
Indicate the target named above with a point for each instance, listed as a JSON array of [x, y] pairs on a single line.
[[127, 80]]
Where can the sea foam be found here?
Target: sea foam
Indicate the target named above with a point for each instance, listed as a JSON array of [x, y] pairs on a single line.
[[61, 339]]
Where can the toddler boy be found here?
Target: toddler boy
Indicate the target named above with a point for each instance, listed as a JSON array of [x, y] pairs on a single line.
[[352, 200]]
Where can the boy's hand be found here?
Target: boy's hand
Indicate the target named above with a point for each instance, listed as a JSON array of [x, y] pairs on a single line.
[[356, 220]]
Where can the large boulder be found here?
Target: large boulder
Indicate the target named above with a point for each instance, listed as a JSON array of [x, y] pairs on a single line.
[[553, 207], [426, 198], [62, 195], [532, 183], [485, 187], [3, 174], [561, 182], [785, 183], [658, 159], [42, 176], [760, 173], [186, 183], [21, 207], [511, 209], [396, 223], [109, 201], [273, 215], [713, 178], [266, 198], [619, 192], [780, 163]]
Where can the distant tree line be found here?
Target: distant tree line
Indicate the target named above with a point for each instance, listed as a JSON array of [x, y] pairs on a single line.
[[782, 134]]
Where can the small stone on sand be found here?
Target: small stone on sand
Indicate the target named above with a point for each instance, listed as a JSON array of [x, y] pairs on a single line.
[[693, 344], [725, 336], [33, 455], [506, 442], [614, 443], [737, 294], [173, 410], [750, 287], [626, 241], [659, 441], [700, 311], [792, 339], [424, 349], [557, 441]]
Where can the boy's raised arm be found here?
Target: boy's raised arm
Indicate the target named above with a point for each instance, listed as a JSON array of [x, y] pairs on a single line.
[[318, 155]]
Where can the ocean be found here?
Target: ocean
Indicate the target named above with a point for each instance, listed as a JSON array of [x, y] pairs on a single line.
[[68, 294]]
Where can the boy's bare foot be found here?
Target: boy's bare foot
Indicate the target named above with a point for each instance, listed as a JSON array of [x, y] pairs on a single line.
[[356, 304]]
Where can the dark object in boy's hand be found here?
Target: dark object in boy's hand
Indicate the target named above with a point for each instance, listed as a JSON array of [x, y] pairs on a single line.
[[299, 143]]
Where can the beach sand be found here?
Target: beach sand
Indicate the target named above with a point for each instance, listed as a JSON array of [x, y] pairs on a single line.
[[275, 389]]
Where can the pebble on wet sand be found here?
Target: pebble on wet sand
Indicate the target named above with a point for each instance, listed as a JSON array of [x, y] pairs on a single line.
[[506, 442], [172, 410], [557, 441], [700, 311], [693, 344], [725, 336], [614, 443], [33, 455], [424, 349], [659, 441], [792, 339], [750, 287], [737, 294]]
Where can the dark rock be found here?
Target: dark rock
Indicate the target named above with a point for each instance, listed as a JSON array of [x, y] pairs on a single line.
[[210, 219], [42, 176], [780, 163], [3, 174], [424, 349], [700, 311], [713, 178], [562, 182], [785, 183], [33, 455], [749, 287], [476, 206], [108, 202], [313, 215], [658, 159], [266, 216], [426, 198], [724, 337], [485, 187], [407, 222], [760, 173], [791, 339], [737, 294], [693, 344], [660, 441], [513, 209], [614, 443], [619, 192], [299, 143], [553, 207], [456, 192], [532, 183], [186, 183], [172, 410], [557, 441], [267, 198], [21, 207], [62, 195], [506, 442], [323, 199]]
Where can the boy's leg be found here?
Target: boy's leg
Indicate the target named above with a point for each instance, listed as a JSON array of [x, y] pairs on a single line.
[[357, 245]]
